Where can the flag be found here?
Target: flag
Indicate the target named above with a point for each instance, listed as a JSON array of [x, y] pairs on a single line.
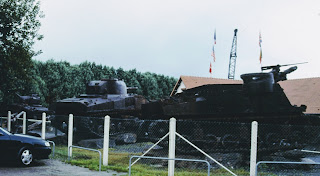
[[260, 55], [213, 54], [260, 41], [215, 37], [210, 69]]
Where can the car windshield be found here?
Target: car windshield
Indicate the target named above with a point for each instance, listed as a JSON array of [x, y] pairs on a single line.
[[4, 131]]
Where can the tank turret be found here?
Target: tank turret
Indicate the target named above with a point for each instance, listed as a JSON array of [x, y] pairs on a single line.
[[107, 86]]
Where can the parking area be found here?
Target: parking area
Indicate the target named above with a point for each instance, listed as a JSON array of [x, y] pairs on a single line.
[[51, 167]]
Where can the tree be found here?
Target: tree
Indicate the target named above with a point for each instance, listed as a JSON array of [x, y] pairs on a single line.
[[19, 25], [59, 80], [149, 86]]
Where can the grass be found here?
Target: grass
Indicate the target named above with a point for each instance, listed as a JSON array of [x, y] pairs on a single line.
[[119, 162]]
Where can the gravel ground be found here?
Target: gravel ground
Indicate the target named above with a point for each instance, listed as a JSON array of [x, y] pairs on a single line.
[[50, 167]]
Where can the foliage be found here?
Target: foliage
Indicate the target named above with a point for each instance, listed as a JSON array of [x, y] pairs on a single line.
[[58, 80], [19, 25]]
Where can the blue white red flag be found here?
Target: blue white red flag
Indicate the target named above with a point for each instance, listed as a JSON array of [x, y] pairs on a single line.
[[260, 59], [213, 54], [260, 39]]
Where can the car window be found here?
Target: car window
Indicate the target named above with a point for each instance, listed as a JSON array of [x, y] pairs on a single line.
[[4, 131]]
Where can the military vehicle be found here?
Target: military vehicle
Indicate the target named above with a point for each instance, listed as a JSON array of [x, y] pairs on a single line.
[[232, 106], [31, 104], [103, 97]]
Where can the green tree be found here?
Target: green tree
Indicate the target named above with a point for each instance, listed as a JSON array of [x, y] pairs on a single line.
[[38, 85], [19, 25], [59, 80], [86, 72], [149, 86]]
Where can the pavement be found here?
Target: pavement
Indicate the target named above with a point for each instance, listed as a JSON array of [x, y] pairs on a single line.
[[51, 167]]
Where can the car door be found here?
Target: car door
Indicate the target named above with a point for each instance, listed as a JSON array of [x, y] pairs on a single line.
[[8, 148]]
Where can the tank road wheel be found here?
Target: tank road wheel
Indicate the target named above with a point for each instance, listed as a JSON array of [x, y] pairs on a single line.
[[158, 129], [272, 139], [230, 141], [297, 138], [93, 125], [121, 127], [100, 130], [211, 142], [113, 128]]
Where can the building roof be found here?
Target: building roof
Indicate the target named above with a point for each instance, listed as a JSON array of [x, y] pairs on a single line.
[[299, 91], [193, 81], [303, 92]]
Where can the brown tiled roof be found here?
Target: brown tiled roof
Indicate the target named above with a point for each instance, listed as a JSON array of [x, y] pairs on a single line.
[[299, 91], [192, 81], [303, 92]]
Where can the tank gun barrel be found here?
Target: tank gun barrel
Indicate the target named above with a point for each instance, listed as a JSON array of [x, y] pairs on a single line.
[[278, 66], [281, 76], [290, 70]]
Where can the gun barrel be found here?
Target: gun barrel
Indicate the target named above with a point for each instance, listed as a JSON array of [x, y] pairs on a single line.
[[290, 70], [275, 66]]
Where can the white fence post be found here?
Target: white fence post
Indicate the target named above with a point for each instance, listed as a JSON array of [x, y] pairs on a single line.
[[172, 146], [106, 140], [70, 135], [43, 136], [254, 144], [9, 121], [24, 123]]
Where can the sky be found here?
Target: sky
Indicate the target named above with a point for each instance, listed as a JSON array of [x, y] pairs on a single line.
[[175, 37]]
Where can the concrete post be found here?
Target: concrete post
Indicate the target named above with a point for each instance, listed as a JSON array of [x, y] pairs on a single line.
[[106, 140], [24, 123], [172, 146], [43, 136], [9, 121], [70, 135], [254, 145]]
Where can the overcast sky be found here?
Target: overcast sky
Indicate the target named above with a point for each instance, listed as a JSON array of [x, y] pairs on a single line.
[[175, 37]]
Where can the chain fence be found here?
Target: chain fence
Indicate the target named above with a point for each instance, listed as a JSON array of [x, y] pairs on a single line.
[[227, 142], [289, 143]]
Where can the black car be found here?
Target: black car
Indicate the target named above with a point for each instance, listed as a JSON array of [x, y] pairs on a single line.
[[22, 148]]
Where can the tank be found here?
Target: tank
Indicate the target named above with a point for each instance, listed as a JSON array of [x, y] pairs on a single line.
[[31, 104], [103, 97], [260, 98]]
